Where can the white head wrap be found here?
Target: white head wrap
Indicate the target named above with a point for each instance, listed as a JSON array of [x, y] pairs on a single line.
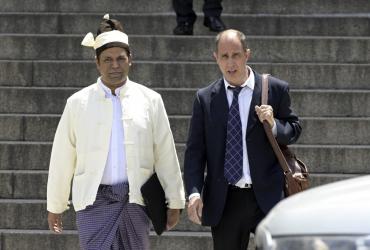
[[104, 38]]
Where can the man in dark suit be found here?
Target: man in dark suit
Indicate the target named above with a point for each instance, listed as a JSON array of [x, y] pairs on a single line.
[[243, 178], [185, 16]]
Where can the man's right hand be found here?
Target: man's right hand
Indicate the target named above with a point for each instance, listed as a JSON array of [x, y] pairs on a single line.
[[195, 208], [55, 222]]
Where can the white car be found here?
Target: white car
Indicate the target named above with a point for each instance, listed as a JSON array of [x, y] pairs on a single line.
[[334, 216]]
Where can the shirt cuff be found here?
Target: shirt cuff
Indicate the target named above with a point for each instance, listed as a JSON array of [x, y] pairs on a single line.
[[194, 195], [274, 129]]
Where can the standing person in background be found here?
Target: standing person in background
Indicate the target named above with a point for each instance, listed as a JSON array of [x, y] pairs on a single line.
[[110, 139], [243, 179], [185, 16]]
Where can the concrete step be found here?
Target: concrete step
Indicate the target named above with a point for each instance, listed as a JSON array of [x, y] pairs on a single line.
[[323, 130], [323, 179], [45, 240], [22, 158], [38, 240], [12, 184], [264, 48], [20, 155], [334, 159], [134, 23], [31, 213], [347, 131], [181, 74], [179, 101], [331, 103], [229, 6]]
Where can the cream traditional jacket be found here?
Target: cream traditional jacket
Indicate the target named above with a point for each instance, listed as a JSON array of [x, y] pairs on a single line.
[[81, 145]]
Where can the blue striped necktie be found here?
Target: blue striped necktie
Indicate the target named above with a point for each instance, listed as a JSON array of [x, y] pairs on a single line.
[[233, 169]]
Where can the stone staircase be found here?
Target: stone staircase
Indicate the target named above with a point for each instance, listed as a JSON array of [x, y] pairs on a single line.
[[321, 47]]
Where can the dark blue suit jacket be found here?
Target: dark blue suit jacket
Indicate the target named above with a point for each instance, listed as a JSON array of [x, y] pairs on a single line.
[[205, 147]]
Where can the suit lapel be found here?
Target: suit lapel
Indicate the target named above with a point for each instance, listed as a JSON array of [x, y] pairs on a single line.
[[256, 100], [219, 107]]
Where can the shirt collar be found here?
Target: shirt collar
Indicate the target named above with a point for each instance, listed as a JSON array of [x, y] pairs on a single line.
[[108, 91], [250, 82]]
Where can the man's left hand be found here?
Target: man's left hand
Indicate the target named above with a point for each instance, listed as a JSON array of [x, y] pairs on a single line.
[[173, 217], [265, 112]]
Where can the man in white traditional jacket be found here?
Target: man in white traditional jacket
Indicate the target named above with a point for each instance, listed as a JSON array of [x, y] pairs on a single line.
[[112, 136]]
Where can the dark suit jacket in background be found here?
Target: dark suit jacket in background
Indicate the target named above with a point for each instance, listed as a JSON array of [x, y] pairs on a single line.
[[205, 149]]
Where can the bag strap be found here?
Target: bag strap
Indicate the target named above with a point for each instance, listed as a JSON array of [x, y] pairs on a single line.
[[268, 130]]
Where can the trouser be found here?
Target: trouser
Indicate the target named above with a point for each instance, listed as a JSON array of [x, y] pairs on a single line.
[[185, 13], [240, 217]]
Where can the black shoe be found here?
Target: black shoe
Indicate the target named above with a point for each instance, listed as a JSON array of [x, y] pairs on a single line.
[[183, 29], [214, 23]]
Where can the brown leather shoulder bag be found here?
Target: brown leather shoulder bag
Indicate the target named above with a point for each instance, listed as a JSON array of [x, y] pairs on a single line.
[[295, 171]]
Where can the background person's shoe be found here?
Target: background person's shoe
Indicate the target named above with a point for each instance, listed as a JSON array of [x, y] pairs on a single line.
[[214, 23], [183, 29]]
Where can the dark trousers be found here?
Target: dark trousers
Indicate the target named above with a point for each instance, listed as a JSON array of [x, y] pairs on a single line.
[[185, 13], [240, 217]]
